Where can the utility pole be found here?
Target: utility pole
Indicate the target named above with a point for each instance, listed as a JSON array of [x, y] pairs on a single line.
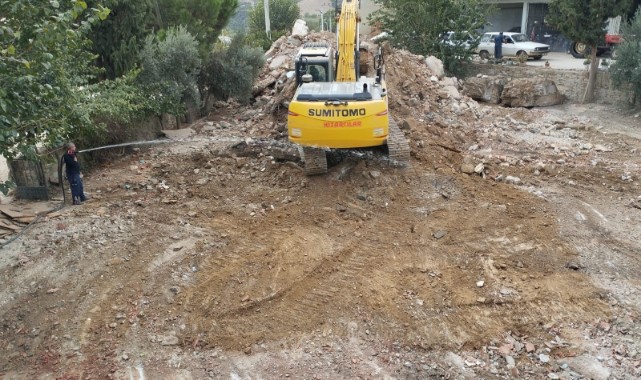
[[267, 23], [322, 21]]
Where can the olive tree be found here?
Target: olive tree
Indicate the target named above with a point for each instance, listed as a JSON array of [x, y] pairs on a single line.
[[585, 21], [170, 69]]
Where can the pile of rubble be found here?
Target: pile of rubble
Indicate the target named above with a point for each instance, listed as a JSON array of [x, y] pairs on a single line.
[[439, 114], [422, 99]]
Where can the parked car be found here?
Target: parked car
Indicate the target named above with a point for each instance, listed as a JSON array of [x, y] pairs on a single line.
[[464, 39], [514, 45]]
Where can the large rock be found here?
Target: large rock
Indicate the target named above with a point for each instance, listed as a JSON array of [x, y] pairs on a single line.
[[485, 89], [450, 92], [531, 92], [300, 28], [275, 48], [278, 61], [588, 367], [436, 66]]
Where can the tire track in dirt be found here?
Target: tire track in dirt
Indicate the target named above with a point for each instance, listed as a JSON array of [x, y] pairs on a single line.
[[300, 305]]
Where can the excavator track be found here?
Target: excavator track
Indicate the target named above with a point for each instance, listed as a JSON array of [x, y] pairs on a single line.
[[397, 145], [315, 160]]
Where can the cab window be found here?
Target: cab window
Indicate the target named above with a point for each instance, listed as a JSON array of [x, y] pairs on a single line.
[[318, 72]]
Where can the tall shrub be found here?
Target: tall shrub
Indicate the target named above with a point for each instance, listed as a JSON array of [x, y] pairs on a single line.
[[627, 68], [170, 68], [231, 71]]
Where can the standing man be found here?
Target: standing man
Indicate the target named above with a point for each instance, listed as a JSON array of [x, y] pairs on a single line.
[[498, 46], [73, 174], [535, 35]]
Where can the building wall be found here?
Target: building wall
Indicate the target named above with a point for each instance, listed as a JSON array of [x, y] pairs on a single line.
[[571, 83], [521, 16], [508, 16]]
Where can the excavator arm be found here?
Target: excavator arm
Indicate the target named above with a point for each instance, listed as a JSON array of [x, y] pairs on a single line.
[[347, 35]]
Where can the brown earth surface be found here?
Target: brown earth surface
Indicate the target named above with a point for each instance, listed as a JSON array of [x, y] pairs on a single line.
[[508, 249]]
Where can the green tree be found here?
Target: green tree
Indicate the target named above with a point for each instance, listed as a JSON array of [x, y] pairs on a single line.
[[44, 62], [231, 71], [118, 40], [170, 68], [585, 21], [627, 68], [418, 25], [282, 16], [204, 19]]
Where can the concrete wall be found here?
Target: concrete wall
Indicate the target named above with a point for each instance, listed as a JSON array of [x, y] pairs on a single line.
[[507, 17], [571, 83]]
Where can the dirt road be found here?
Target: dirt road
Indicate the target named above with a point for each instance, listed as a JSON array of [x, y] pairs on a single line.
[[508, 249]]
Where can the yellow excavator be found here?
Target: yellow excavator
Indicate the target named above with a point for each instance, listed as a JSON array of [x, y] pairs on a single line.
[[334, 106]]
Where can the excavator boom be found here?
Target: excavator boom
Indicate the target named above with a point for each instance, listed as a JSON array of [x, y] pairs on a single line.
[[348, 49]]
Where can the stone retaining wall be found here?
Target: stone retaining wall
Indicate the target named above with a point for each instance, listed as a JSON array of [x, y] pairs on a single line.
[[571, 83]]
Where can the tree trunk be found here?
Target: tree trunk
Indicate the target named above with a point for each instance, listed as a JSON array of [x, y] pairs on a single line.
[[588, 97]]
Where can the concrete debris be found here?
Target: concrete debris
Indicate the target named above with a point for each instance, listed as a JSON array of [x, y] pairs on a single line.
[[531, 92], [439, 234], [467, 168], [513, 180], [435, 65], [588, 366], [485, 89], [300, 28], [528, 92]]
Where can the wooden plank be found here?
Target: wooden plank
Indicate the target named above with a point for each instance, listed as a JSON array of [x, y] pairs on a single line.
[[54, 214], [25, 219], [9, 226], [12, 213]]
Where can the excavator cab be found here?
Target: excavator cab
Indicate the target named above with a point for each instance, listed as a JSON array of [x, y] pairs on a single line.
[[314, 63]]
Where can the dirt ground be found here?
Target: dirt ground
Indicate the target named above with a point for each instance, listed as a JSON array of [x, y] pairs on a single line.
[[213, 256]]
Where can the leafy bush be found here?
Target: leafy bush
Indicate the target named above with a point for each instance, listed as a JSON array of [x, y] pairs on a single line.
[[115, 107], [230, 72], [170, 68], [120, 111], [44, 59], [627, 68]]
